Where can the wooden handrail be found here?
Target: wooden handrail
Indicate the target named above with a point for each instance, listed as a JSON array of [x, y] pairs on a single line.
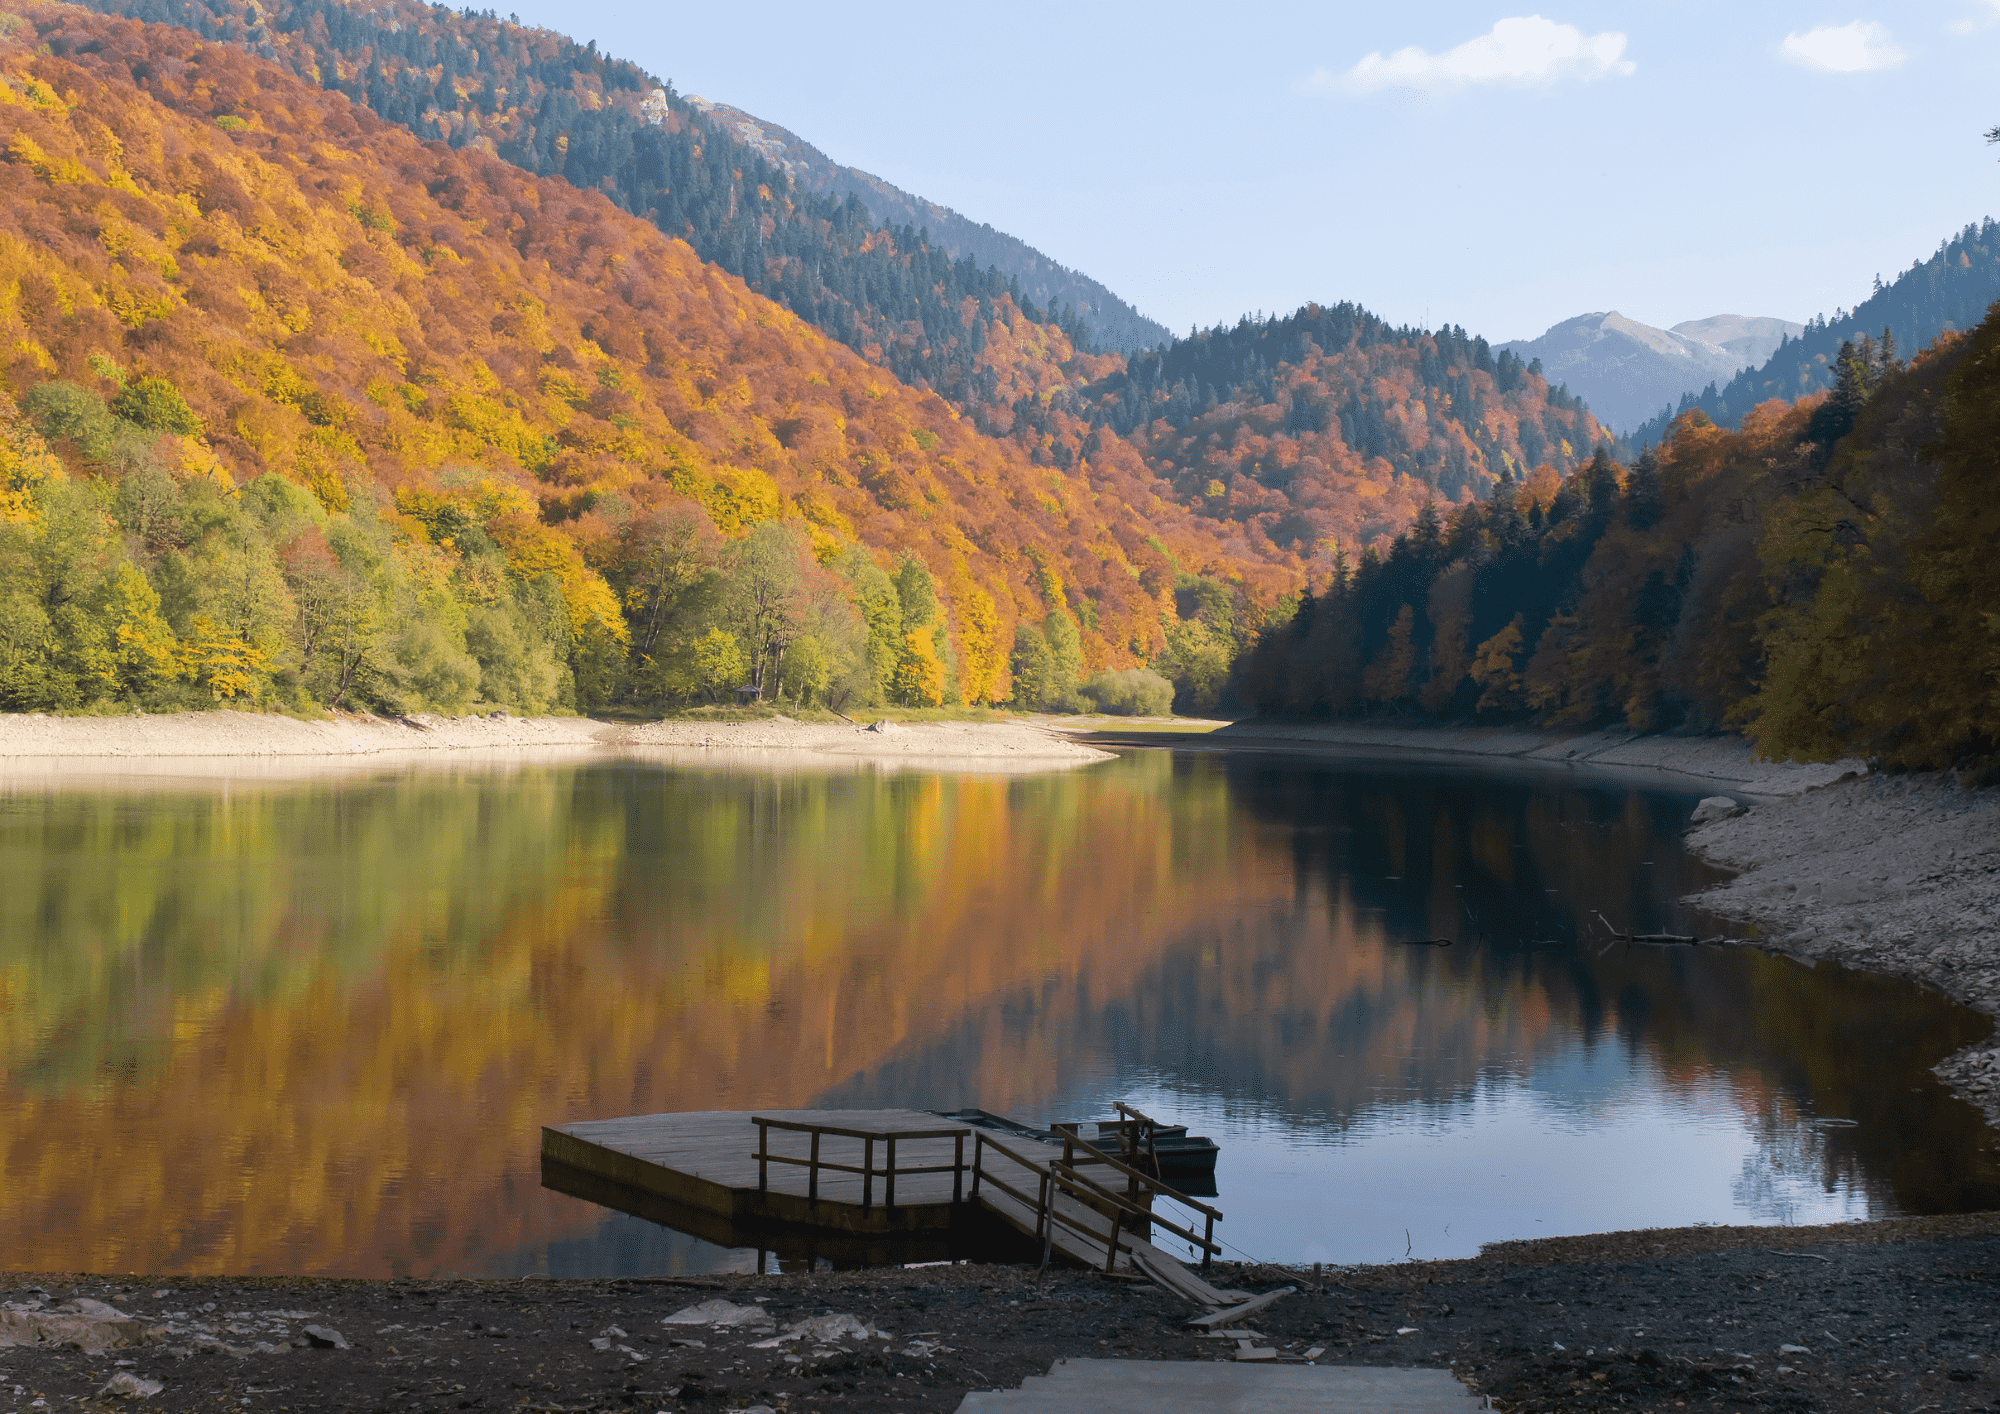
[[1125, 1204], [803, 1127], [1063, 1174], [1165, 1189], [814, 1163]]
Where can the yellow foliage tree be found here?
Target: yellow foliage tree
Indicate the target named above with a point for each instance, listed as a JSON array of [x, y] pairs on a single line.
[[982, 657], [1496, 668], [919, 677]]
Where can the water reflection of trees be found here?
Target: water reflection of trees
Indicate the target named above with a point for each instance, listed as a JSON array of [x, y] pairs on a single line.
[[316, 1028], [1313, 1011]]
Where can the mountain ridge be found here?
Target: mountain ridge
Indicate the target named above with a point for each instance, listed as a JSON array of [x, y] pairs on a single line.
[[1114, 324]]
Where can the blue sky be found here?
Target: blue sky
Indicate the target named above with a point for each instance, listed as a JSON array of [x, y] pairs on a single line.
[[1500, 168]]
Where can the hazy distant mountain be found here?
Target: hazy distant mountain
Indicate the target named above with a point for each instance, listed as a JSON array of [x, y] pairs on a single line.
[[1628, 371], [1113, 323]]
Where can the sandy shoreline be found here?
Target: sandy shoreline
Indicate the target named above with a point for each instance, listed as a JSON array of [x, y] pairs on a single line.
[[193, 742]]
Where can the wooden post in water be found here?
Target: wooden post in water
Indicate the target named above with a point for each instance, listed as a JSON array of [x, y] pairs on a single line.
[[763, 1168]]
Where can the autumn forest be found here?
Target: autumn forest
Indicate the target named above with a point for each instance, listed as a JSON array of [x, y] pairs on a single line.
[[414, 360]]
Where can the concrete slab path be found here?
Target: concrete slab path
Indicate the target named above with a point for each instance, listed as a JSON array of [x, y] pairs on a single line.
[[1225, 1387]]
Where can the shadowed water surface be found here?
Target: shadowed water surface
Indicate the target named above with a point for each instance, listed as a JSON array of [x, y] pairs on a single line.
[[316, 1026]]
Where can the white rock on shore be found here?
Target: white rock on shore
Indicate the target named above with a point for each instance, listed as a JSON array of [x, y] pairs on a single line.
[[1895, 874]]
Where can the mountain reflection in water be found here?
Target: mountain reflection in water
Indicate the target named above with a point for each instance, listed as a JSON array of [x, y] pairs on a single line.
[[316, 1027]]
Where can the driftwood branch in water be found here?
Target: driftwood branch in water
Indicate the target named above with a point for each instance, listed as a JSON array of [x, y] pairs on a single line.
[[1661, 939]]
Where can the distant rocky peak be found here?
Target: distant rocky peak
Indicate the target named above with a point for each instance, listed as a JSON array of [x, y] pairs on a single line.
[[1627, 371]]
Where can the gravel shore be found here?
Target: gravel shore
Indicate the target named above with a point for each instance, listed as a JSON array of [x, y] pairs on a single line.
[[1867, 1316], [1895, 874]]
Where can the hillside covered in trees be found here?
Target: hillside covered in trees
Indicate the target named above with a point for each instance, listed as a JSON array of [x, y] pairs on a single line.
[[557, 108], [1946, 292], [310, 411], [1330, 428], [1368, 422], [1822, 578]]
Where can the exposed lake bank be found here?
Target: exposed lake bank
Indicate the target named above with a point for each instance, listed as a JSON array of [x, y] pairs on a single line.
[[1696, 1318], [186, 738], [1726, 763], [1894, 874]]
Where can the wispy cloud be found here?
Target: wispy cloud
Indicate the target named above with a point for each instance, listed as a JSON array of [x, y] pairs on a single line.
[[1860, 47], [1985, 13], [1526, 51]]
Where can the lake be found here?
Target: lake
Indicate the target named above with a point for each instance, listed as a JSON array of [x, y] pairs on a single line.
[[258, 1025]]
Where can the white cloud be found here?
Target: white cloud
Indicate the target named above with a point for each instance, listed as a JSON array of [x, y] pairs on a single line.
[[1860, 47], [1526, 51], [1973, 24]]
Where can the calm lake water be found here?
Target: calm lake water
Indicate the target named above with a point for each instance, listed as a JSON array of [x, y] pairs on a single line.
[[315, 1026]]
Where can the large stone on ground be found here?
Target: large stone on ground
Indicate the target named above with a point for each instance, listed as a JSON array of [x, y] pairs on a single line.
[[1715, 807]]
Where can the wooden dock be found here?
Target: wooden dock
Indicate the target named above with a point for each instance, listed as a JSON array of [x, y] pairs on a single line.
[[878, 1186]]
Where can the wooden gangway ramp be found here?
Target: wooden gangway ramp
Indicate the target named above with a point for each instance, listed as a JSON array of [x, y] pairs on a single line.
[[878, 1175]]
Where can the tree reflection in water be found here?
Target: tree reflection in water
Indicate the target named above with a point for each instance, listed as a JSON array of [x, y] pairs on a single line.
[[314, 1027]]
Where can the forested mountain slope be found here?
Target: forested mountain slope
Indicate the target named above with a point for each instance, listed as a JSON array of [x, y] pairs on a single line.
[[1113, 323], [1384, 436], [1947, 292], [556, 108], [343, 416], [1823, 578], [1330, 426]]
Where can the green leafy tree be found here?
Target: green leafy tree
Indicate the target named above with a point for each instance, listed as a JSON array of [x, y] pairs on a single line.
[[157, 405]]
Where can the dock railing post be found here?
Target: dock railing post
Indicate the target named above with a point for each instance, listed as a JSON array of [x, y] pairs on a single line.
[[1111, 1253], [958, 1168], [812, 1172], [763, 1157], [867, 1173], [889, 1184], [1208, 1241], [1048, 1227]]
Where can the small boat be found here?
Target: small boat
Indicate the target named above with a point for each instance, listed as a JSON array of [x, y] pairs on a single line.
[[1187, 1162]]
